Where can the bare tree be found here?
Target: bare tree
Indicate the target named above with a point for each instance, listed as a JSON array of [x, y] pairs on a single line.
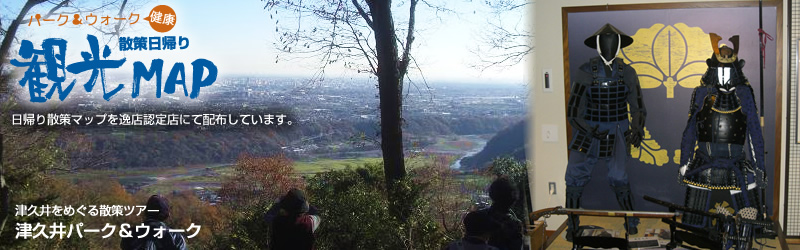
[[10, 33], [507, 39], [361, 35], [5, 200], [35, 152], [62, 7]]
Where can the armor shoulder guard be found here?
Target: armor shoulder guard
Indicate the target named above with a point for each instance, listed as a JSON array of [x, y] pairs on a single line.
[[745, 89], [700, 93], [587, 67], [693, 102], [745, 93], [627, 68], [699, 96], [593, 64], [630, 71], [706, 80], [622, 62]]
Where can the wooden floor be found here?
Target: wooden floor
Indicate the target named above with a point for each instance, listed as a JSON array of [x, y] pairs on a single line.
[[616, 224]]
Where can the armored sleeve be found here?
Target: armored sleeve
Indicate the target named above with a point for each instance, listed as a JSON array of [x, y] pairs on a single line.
[[706, 78], [689, 139], [756, 139], [635, 102], [576, 108]]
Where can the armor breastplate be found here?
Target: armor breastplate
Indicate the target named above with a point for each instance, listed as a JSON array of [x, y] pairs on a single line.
[[607, 96], [721, 120]]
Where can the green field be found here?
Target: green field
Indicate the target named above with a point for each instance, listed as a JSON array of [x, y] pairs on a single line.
[[322, 165], [165, 180]]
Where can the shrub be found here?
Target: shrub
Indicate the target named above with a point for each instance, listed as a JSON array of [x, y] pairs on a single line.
[[517, 173], [356, 212]]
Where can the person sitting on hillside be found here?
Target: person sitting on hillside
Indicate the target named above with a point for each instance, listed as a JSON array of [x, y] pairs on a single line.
[[478, 229], [294, 222], [158, 235], [509, 233]]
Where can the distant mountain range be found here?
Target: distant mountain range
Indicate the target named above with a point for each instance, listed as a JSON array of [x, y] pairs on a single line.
[[508, 142]]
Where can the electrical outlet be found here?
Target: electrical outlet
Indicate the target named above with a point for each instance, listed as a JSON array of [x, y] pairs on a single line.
[[550, 133], [552, 186]]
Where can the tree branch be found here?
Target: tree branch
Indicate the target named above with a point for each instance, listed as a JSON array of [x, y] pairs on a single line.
[[121, 8], [404, 61], [362, 13], [5, 198], [364, 51], [53, 10], [503, 45], [75, 10]]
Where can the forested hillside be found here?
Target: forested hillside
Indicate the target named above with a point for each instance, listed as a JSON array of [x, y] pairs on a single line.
[[508, 142]]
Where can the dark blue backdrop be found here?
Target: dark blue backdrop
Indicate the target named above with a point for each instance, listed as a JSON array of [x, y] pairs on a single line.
[[667, 117]]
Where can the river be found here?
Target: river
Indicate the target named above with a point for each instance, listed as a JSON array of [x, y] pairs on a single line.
[[480, 143]]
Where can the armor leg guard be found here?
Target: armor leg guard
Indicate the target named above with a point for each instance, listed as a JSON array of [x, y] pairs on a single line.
[[625, 200], [750, 208], [744, 230], [573, 201], [753, 200], [697, 198]]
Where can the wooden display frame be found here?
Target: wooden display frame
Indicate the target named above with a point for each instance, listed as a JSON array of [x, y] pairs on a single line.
[[779, 74]]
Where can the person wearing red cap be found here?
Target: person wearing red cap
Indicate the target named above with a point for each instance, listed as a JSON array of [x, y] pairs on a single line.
[[156, 212], [294, 222]]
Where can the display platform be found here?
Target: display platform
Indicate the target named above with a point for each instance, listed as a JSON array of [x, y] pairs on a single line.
[[647, 226]]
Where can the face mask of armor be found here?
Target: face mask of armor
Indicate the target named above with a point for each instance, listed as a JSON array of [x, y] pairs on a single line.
[[724, 78], [727, 76], [608, 47]]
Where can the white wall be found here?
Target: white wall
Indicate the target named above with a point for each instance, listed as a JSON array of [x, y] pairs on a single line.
[[547, 161]]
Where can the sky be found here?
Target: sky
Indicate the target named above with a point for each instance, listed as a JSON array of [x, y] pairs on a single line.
[[238, 37]]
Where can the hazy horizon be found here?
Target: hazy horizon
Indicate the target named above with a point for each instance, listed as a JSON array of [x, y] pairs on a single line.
[[238, 37]]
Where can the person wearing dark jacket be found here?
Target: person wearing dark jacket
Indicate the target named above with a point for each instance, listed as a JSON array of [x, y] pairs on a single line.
[[293, 222], [508, 233], [156, 212], [478, 228]]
